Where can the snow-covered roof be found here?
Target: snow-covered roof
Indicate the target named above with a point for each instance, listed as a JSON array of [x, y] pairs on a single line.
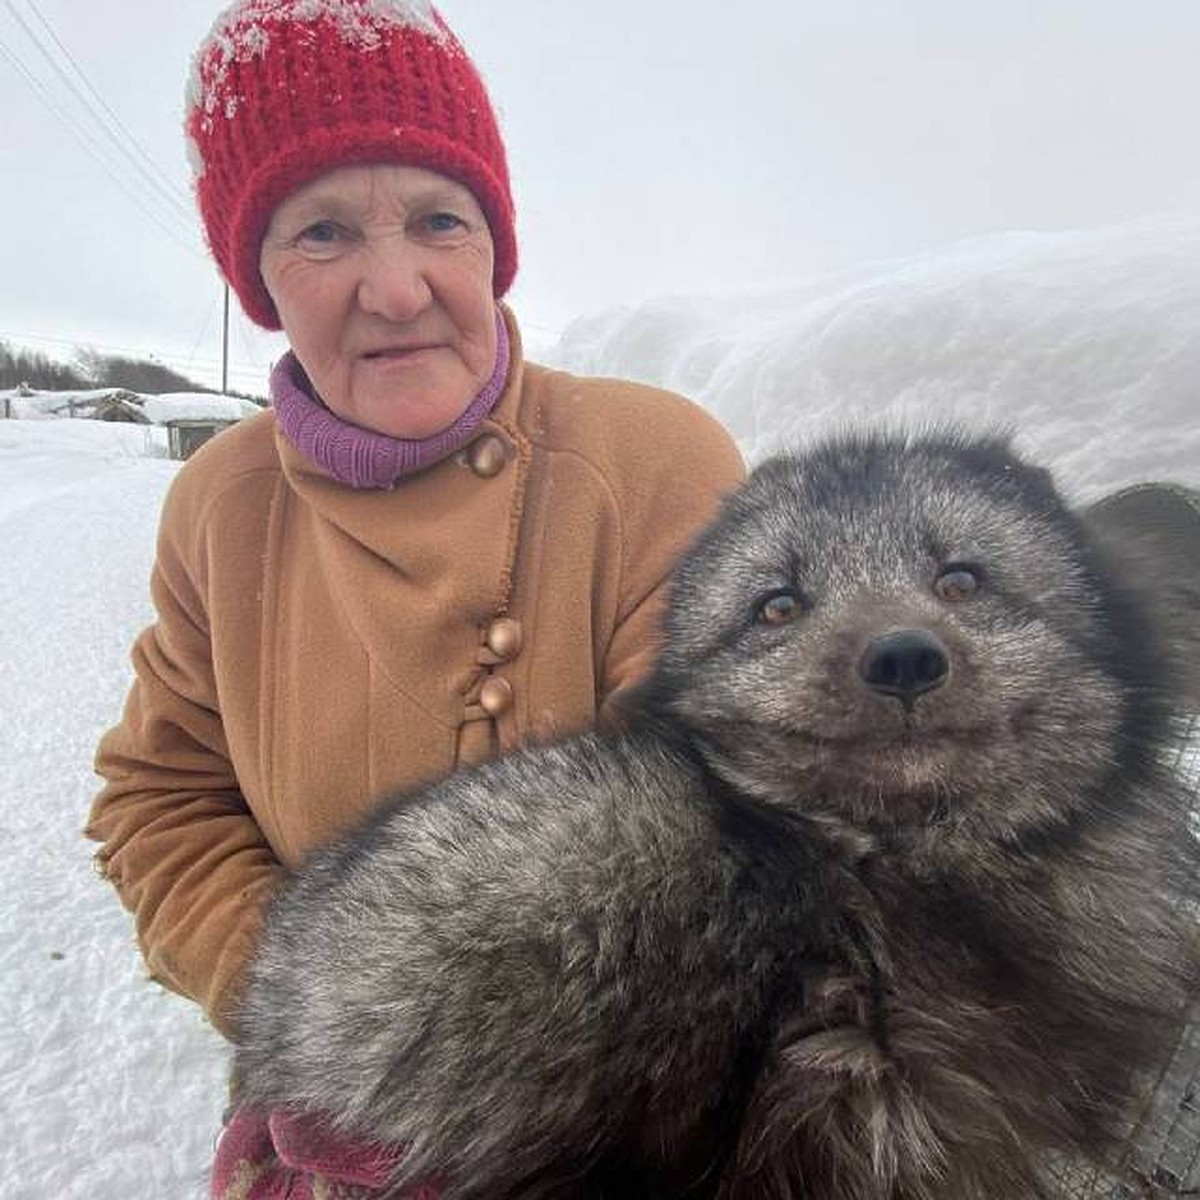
[[26, 402], [159, 410], [196, 406]]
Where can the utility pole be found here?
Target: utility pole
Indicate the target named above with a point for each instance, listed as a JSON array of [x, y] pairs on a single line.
[[225, 347]]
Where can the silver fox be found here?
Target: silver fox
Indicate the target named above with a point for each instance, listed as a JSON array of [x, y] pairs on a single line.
[[882, 892]]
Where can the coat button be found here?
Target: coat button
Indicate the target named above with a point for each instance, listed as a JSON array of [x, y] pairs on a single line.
[[487, 455], [504, 638], [496, 696]]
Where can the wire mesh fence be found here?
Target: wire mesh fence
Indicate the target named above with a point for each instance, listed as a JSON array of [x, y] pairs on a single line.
[[1162, 1157]]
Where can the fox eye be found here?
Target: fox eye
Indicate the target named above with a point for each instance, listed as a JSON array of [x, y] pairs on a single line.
[[778, 608], [957, 583]]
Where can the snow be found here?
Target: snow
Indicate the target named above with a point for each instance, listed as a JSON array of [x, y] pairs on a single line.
[[1086, 343], [243, 32], [159, 409], [31, 404], [111, 1087], [43, 459], [197, 406]]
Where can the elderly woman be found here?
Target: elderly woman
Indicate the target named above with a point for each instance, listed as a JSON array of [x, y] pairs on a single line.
[[429, 550]]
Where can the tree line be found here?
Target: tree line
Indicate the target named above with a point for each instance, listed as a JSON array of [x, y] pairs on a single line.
[[90, 369]]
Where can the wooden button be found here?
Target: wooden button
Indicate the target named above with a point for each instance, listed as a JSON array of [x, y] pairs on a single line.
[[504, 638], [496, 696], [487, 456]]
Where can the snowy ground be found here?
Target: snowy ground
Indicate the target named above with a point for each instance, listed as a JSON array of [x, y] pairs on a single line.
[[113, 1088]]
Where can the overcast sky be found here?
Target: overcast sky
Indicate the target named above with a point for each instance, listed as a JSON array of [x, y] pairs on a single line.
[[655, 146]]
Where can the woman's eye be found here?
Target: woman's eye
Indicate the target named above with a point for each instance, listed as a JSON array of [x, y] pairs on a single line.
[[320, 231], [778, 608], [956, 584], [444, 222], [321, 237]]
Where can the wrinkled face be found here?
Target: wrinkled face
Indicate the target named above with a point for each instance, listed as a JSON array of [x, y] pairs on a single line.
[[382, 277], [898, 639]]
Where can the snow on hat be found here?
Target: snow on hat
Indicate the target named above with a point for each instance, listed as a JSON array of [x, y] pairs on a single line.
[[284, 90]]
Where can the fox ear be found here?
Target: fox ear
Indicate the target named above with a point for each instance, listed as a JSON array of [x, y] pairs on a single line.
[[1151, 531]]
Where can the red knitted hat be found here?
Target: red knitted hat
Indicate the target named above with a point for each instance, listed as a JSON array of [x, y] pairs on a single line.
[[285, 90]]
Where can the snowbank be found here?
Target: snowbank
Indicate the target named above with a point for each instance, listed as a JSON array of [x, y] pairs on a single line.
[[1088, 344]]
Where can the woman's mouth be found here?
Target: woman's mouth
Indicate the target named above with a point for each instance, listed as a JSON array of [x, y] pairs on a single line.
[[397, 353]]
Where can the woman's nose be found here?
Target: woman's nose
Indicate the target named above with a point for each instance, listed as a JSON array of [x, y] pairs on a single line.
[[393, 284]]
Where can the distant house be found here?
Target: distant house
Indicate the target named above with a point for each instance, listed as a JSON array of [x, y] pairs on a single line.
[[106, 404], [118, 405], [191, 418]]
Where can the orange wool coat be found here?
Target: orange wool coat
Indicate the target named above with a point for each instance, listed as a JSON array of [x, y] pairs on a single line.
[[317, 647]]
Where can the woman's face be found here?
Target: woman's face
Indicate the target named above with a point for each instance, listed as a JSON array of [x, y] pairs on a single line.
[[382, 277]]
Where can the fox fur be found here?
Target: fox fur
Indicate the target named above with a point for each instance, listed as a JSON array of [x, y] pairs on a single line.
[[881, 892]]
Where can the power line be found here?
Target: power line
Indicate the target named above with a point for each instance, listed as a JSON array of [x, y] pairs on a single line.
[[165, 193], [90, 149], [102, 116], [178, 207], [245, 369], [247, 343], [203, 330], [181, 197]]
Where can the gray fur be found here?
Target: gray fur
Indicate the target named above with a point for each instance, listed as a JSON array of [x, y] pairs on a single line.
[[783, 935]]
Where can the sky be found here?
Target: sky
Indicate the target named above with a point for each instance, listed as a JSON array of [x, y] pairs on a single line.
[[656, 147]]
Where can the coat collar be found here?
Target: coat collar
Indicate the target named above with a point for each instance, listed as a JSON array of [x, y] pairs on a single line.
[[418, 572]]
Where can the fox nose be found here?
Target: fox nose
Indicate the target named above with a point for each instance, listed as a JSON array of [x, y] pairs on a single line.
[[905, 664]]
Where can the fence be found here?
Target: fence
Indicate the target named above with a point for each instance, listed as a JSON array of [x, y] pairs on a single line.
[[1163, 1152]]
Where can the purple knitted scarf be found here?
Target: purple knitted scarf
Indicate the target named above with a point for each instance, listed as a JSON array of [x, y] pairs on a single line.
[[361, 458]]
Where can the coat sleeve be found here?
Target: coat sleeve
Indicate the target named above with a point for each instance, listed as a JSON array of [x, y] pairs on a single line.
[[177, 839], [671, 485]]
